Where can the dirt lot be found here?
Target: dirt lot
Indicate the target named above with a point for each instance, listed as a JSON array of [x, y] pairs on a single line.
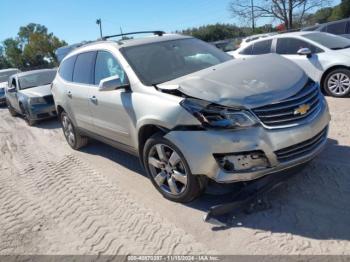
[[54, 200]]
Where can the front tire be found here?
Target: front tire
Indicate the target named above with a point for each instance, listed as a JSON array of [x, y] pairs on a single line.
[[26, 115], [337, 83], [169, 172], [74, 139], [11, 110]]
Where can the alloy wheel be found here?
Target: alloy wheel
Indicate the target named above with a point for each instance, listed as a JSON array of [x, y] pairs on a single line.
[[339, 84], [167, 169], [68, 130]]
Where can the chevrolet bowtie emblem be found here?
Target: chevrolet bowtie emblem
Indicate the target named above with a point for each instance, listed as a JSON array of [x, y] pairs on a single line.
[[302, 110]]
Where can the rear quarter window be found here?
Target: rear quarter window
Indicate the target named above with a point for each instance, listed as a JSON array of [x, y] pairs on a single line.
[[262, 47], [66, 68]]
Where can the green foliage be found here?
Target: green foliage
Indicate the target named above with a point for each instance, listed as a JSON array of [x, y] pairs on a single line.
[[33, 48], [211, 33], [329, 14], [3, 61], [215, 32]]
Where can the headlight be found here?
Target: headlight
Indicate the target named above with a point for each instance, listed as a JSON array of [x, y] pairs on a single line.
[[36, 100], [213, 116]]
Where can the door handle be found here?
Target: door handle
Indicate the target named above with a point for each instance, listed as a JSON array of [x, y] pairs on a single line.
[[69, 94], [93, 99]]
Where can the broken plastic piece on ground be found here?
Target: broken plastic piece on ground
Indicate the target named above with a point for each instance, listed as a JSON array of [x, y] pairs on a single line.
[[250, 197]]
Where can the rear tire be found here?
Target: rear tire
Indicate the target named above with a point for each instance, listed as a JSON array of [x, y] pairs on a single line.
[[171, 176], [74, 139], [337, 83]]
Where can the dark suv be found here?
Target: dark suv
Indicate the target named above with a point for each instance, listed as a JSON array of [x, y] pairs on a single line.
[[341, 27]]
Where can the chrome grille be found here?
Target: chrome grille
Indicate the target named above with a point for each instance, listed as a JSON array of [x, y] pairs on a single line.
[[284, 113], [301, 149]]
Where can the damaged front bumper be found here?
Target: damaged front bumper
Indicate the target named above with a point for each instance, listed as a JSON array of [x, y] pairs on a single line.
[[248, 154], [42, 111]]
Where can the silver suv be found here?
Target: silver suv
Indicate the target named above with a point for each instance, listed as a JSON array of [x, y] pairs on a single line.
[[190, 111]]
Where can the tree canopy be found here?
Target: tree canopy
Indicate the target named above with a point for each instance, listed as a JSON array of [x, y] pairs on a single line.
[[34, 47], [289, 12]]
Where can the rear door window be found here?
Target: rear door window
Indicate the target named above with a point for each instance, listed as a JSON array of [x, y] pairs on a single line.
[[262, 47], [84, 68], [247, 50]]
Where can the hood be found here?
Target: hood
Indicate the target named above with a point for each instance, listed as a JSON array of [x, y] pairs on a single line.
[[247, 83], [38, 91]]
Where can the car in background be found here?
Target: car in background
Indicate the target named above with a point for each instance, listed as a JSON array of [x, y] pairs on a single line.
[[4, 78], [226, 45], [61, 52], [324, 57], [340, 27], [190, 111], [29, 94], [247, 40]]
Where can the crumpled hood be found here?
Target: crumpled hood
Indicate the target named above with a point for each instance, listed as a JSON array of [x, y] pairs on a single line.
[[243, 83], [38, 91]]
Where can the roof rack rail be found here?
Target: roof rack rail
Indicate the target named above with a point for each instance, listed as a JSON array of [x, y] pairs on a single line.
[[158, 33]]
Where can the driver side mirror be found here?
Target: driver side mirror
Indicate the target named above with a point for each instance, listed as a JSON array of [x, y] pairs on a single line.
[[305, 51], [12, 89], [111, 83]]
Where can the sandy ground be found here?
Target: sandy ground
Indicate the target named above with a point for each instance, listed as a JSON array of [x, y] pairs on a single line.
[[54, 200]]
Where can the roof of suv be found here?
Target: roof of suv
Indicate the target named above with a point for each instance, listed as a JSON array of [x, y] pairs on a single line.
[[139, 41]]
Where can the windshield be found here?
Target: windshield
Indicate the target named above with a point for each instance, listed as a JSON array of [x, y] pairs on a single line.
[[160, 62], [36, 79], [333, 42], [5, 75]]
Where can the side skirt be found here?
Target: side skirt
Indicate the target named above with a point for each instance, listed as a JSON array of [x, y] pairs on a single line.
[[110, 142]]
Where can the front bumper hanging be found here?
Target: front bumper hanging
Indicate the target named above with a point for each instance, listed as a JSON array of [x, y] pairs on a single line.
[[249, 196]]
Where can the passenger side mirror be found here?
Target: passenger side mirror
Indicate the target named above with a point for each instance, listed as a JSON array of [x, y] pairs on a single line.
[[111, 83], [305, 51]]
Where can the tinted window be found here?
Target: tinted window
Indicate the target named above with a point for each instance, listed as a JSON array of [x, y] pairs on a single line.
[[66, 68], [291, 46], [106, 66], [262, 47], [159, 62], [337, 28], [247, 50], [84, 68]]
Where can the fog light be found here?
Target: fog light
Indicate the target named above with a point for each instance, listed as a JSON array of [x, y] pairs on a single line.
[[247, 161]]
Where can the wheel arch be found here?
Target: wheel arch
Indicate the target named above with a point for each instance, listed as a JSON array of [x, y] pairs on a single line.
[[144, 133], [59, 110]]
